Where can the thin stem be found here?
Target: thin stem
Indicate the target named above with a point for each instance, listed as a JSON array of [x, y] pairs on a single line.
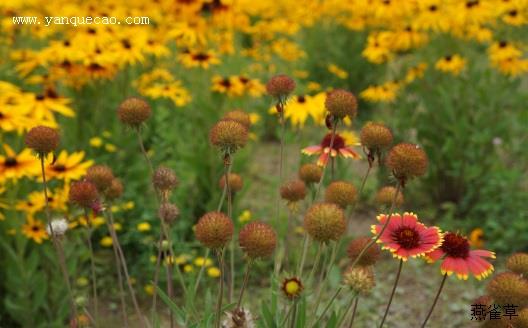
[[328, 306], [435, 300], [324, 274], [170, 290], [294, 316], [348, 308], [290, 310], [221, 290], [392, 293], [227, 169], [224, 191], [144, 152], [57, 242], [156, 275], [374, 240], [200, 274], [353, 312], [278, 259], [119, 276], [244, 284], [92, 264], [316, 261], [303, 256], [125, 271]]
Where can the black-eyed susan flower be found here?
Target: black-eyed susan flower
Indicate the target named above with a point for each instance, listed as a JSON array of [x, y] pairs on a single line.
[[292, 287], [405, 237], [339, 148], [68, 167], [14, 166], [196, 58], [386, 92], [453, 64], [458, 258], [35, 230]]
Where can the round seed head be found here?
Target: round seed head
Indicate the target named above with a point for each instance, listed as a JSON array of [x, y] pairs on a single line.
[[522, 320], [325, 222], [101, 176], [235, 182], [214, 230], [341, 103], [228, 135], [386, 194], [164, 179], [341, 193], [280, 86], [485, 300], [293, 191], [369, 257], [134, 111], [257, 240], [509, 288], [83, 193], [310, 173], [407, 161], [42, 139], [115, 190], [376, 136], [168, 212], [360, 279], [239, 116], [518, 263]]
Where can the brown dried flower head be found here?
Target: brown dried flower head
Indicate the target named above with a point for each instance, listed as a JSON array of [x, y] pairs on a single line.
[[280, 86], [386, 194], [228, 135], [115, 190], [164, 179], [407, 161], [325, 222], [257, 240], [310, 173], [518, 263], [360, 279], [235, 182], [101, 176], [341, 193], [83, 193], [214, 230], [293, 191], [239, 116], [509, 288], [134, 111], [376, 136], [369, 257], [341, 103], [42, 139], [168, 212]]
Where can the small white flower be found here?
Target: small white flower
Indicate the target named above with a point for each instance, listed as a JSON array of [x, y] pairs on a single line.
[[497, 141], [59, 227]]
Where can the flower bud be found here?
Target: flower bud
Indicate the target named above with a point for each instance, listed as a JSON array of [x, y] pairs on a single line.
[[134, 111], [42, 139], [228, 135], [293, 191], [292, 287], [257, 240], [407, 161], [214, 230], [280, 86], [341, 103], [325, 222], [310, 173], [341, 193], [168, 212]]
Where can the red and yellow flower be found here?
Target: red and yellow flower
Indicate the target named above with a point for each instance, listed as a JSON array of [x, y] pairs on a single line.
[[339, 148], [405, 236], [457, 257]]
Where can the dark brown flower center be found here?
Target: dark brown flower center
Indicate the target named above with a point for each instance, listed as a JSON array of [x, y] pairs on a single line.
[[339, 142], [59, 168], [433, 8], [39, 97], [10, 162], [472, 3], [35, 228], [448, 57], [201, 57], [513, 13], [243, 79], [126, 44], [407, 238], [455, 245], [301, 99], [225, 82]]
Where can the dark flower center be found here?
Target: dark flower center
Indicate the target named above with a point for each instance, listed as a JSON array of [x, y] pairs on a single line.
[[126, 44], [66, 43], [339, 142], [513, 13], [455, 245], [201, 57], [39, 97], [243, 79], [35, 228], [59, 168], [448, 57], [503, 44], [302, 100], [407, 238], [433, 8], [10, 162], [472, 3], [225, 83], [91, 31]]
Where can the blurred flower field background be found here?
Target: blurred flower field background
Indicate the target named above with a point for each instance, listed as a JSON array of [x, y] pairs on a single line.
[[447, 75]]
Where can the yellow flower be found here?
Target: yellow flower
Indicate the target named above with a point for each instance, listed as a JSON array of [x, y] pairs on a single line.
[[128, 205], [301, 74], [351, 138], [245, 216], [34, 230], [144, 226], [231, 86], [98, 221], [313, 86], [202, 59], [68, 167], [453, 64], [149, 289], [188, 268], [200, 261], [106, 134], [14, 166], [118, 226], [110, 148], [386, 92], [378, 48], [96, 142], [82, 281], [106, 241], [476, 238], [57, 200], [340, 73], [416, 72], [213, 272]]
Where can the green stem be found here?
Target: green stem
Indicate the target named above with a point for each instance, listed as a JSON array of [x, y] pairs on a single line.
[[290, 311], [353, 313], [200, 274], [244, 284], [316, 261], [392, 293], [349, 306], [435, 300], [303, 256], [92, 266], [221, 290], [119, 276], [278, 259], [328, 306]]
